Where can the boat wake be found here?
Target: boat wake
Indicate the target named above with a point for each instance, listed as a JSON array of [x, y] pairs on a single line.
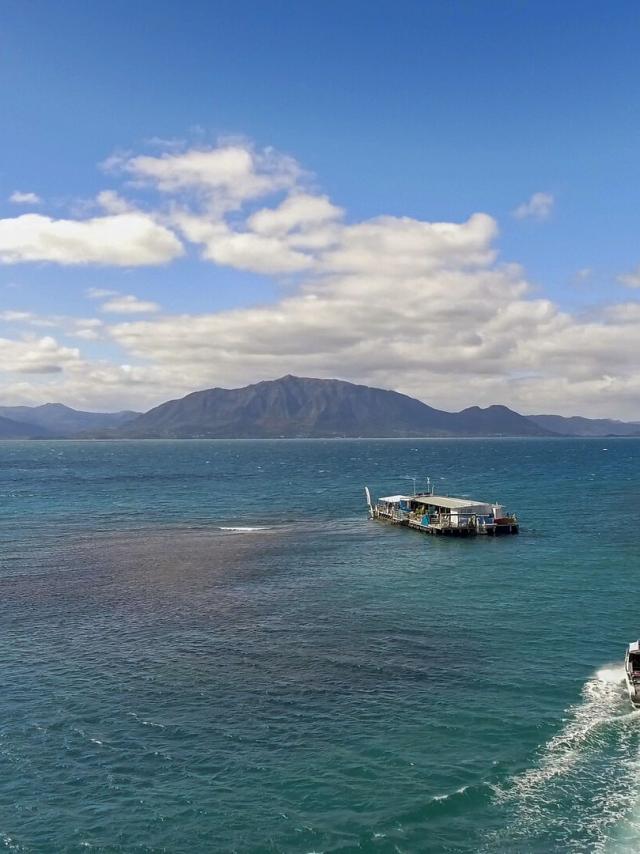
[[586, 777], [603, 703]]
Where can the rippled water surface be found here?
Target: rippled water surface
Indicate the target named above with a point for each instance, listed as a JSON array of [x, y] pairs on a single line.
[[207, 647]]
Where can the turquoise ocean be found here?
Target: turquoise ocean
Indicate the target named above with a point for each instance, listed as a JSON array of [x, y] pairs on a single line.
[[206, 646]]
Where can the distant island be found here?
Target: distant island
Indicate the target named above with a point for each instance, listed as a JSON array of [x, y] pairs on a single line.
[[295, 408]]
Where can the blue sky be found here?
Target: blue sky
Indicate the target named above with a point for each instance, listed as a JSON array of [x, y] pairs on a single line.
[[411, 112]]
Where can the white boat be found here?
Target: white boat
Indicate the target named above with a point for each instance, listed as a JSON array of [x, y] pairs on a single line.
[[632, 672]]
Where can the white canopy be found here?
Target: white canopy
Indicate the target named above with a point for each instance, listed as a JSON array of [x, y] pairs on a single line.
[[452, 503]]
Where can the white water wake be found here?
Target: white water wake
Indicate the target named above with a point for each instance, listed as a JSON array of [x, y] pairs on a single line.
[[604, 702], [586, 779]]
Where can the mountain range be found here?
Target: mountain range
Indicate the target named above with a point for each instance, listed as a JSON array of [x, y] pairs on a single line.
[[55, 421], [295, 407]]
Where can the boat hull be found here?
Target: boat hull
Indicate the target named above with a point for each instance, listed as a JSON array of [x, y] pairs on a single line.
[[633, 689]]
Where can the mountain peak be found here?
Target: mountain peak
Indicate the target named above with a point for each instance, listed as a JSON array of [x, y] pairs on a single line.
[[308, 407], [54, 407]]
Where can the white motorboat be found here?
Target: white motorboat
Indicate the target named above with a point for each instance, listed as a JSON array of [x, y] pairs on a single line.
[[632, 672]]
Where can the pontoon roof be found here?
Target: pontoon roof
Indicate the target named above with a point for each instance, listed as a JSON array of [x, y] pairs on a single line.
[[394, 499], [446, 501], [634, 647]]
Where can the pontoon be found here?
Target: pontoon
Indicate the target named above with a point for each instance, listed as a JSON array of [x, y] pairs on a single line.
[[443, 514]]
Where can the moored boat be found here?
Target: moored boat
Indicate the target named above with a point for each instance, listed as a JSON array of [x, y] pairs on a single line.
[[443, 514], [632, 672]]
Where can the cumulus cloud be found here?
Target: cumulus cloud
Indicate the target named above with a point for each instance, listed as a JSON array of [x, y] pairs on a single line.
[[20, 198], [631, 279], [539, 206], [417, 306], [300, 212], [228, 174], [35, 355], [243, 250], [452, 338], [129, 304], [424, 307], [113, 203], [85, 328], [401, 246], [121, 240]]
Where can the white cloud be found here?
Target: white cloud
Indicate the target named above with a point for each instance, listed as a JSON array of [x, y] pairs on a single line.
[[129, 304], [29, 318], [35, 356], [401, 246], [87, 329], [423, 307], [166, 143], [298, 212], [113, 203], [631, 279], [19, 198], [420, 307], [229, 174], [122, 240], [15, 316], [243, 250], [100, 293], [539, 206], [86, 334]]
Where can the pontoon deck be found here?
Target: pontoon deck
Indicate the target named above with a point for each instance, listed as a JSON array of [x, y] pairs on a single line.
[[443, 514]]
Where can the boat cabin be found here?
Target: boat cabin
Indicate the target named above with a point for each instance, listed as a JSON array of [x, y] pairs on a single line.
[[451, 512], [632, 672], [633, 659]]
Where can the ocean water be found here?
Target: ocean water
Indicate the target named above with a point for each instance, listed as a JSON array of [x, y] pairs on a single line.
[[206, 647]]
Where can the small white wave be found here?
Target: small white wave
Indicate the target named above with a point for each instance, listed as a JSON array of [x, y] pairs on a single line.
[[243, 529], [9, 842], [448, 795], [151, 723], [145, 722]]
